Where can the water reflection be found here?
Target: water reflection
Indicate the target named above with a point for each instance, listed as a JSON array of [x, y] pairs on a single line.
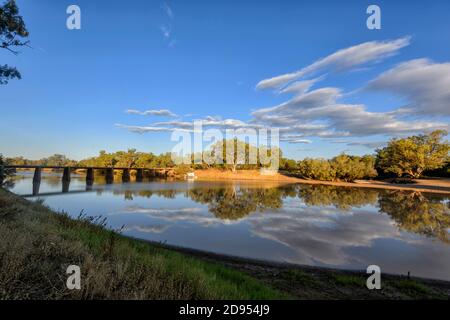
[[307, 224], [425, 214], [415, 212]]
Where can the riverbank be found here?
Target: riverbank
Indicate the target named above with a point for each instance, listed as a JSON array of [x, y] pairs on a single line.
[[430, 185], [309, 282], [37, 244]]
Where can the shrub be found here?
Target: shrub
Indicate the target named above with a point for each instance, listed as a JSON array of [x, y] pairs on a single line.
[[317, 169]]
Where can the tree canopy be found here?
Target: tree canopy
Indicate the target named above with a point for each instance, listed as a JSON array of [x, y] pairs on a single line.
[[413, 155], [12, 33]]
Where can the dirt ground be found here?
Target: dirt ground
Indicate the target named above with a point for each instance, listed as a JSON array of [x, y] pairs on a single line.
[[433, 185]]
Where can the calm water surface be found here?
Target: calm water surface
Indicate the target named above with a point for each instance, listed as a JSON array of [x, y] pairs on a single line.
[[327, 226]]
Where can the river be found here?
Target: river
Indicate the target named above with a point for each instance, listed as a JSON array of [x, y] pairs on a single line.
[[326, 226]]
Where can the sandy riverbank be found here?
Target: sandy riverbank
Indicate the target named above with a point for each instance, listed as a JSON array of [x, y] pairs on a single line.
[[431, 185]]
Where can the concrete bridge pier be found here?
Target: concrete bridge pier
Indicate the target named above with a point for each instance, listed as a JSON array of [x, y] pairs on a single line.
[[65, 186], [109, 175], [66, 175], [36, 186], [125, 175], [37, 175], [90, 176], [139, 175]]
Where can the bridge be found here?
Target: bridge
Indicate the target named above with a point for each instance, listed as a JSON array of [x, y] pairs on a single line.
[[108, 171]]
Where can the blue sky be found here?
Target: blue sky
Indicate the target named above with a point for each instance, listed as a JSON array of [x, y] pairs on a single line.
[[205, 59]]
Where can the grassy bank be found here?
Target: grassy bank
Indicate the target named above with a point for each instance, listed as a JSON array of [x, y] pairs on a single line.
[[37, 244]]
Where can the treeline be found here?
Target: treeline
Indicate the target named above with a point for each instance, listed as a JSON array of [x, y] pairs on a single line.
[[54, 160], [409, 157], [342, 167], [406, 157], [129, 159]]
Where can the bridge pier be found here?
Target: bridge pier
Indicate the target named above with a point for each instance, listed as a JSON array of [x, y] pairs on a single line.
[[37, 175], [90, 176], [66, 175], [65, 186], [125, 175], [139, 175], [36, 185], [109, 176]]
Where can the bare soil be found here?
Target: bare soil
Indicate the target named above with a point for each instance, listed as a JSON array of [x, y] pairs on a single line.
[[430, 185]]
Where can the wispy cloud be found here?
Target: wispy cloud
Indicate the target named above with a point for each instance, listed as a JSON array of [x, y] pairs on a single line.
[[165, 31], [312, 111], [160, 112], [167, 9], [341, 60], [425, 84], [166, 28]]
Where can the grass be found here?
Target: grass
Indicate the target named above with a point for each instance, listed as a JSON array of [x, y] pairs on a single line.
[[299, 276], [348, 280], [37, 244]]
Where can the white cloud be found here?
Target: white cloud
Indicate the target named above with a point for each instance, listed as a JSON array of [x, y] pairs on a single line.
[[422, 82], [367, 144], [332, 118], [160, 112], [319, 112], [341, 60], [425, 84], [299, 87], [294, 140], [142, 129]]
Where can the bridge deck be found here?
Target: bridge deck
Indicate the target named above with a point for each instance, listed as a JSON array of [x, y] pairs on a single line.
[[76, 167]]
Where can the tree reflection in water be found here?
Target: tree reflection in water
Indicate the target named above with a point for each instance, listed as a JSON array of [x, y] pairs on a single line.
[[424, 214], [415, 212], [412, 211], [343, 198], [236, 202]]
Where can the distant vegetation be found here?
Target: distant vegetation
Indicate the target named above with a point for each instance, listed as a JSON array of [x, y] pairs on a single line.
[[342, 167], [129, 159], [407, 157]]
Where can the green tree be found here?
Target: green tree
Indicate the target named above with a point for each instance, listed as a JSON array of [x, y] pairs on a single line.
[[350, 168], [58, 160], [146, 160], [12, 31], [5, 174], [126, 159], [288, 164], [413, 155], [105, 159], [317, 169]]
